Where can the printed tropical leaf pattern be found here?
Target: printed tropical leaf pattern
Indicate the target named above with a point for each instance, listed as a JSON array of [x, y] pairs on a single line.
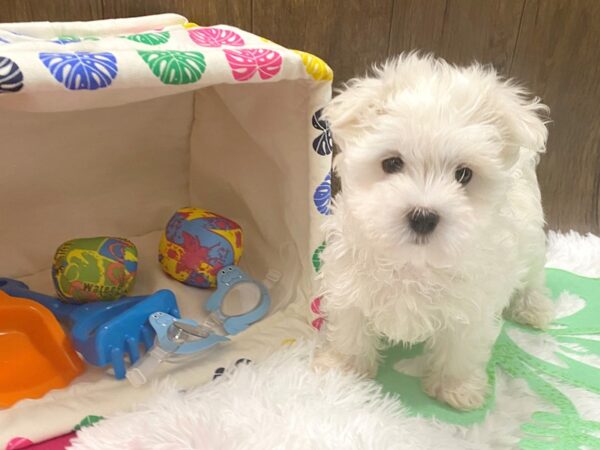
[[175, 67], [323, 143], [576, 335], [69, 39], [220, 371], [316, 257], [17, 443], [157, 38], [81, 70], [88, 421], [322, 196], [315, 307], [315, 66], [215, 37], [318, 323], [66, 40], [245, 63], [11, 77]]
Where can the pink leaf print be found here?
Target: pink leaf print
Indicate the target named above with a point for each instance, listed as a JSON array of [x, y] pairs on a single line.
[[315, 305], [318, 323], [215, 37], [18, 442], [246, 62]]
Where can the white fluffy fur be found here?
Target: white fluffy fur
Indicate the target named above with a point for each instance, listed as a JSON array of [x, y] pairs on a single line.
[[575, 253], [279, 404], [449, 289]]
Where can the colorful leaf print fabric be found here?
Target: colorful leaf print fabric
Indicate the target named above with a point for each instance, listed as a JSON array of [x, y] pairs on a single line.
[[174, 67], [81, 70], [158, 38], [17, 443], [246, 63], [316, 258], [70, 39], [322, 196], [315, 307], [88, 421], [11, 77], [215, 37], [315, 66], [323, 143], [79, 59]]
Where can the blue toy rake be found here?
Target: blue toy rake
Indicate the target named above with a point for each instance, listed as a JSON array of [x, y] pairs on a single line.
[[104, 332]]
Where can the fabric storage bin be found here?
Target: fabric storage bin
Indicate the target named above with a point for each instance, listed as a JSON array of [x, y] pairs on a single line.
[[110, 126]]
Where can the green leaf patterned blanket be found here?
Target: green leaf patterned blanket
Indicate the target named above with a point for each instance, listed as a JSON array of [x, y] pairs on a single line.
[[566, 355]]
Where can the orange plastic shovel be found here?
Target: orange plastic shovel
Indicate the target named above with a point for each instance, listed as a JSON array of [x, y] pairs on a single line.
[[36, 355]]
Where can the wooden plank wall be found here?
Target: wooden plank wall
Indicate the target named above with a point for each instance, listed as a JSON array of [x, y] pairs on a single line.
[[549, 45]]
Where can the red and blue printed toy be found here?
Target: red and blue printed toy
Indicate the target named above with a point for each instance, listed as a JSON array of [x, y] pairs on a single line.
[[197, 244]]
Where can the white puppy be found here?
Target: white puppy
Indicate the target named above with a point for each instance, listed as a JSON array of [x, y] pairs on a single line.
[[439, 226]]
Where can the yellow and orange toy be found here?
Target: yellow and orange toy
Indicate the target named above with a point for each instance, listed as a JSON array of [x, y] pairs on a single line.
[[36, 355]]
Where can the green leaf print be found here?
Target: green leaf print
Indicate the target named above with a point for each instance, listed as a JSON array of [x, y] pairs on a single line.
[[160, 37], [175, 67], [316, 258], [88, 421]]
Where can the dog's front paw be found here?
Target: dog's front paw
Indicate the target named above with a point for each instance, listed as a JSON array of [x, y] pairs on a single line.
[[533, 308], [324, 360], [463, 394]]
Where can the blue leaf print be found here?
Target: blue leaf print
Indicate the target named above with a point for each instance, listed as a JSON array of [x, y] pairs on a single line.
[[11, 77], [322, 196], [323, 144], [63, 40], [4, 41], [70, 39], [81, 70]]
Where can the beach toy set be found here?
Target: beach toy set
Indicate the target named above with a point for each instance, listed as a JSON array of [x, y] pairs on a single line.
[[92, 277]]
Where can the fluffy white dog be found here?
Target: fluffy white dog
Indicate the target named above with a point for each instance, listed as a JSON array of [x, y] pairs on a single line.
[[439, 225]]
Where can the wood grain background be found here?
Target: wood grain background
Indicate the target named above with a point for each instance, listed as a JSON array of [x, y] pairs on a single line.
[[549, 45]]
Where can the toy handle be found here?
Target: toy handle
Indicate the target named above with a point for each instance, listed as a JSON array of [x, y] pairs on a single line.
[[17, 288], [141, 371]]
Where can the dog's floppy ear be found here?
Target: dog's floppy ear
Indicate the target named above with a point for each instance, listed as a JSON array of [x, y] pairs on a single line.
[[349, 112], [522, 119]]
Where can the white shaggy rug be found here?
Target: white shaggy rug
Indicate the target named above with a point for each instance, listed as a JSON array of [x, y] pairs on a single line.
[[281, 404]]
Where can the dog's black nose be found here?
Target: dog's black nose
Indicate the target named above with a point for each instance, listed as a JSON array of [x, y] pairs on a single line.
[[423, 221]]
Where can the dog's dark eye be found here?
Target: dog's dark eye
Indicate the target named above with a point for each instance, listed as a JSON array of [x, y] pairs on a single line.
[[463, 175], [392, 165]]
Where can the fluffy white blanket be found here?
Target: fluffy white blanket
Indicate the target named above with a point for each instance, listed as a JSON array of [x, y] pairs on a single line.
[[281, 403]]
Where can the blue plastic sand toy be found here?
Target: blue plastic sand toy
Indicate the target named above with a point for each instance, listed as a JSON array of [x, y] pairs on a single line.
[[104, 332]]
